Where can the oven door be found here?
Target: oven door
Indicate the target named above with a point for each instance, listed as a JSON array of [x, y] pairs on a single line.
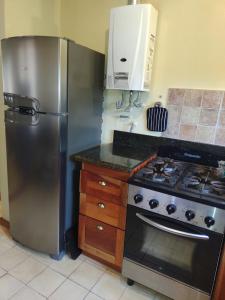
[[173, 248]]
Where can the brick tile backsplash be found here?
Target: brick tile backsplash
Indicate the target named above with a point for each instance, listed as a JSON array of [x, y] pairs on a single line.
[[222, 118], [176, 96], [212, 99], [208, 117], [193, 98], [187, 132], [196, 115]]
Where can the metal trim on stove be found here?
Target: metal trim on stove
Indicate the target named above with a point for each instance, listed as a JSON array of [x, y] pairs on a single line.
[[161, 283], [201, 211]]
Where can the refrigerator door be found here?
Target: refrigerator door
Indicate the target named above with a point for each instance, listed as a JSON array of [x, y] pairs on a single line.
[[36, 167], [35, 68], [85, 100]]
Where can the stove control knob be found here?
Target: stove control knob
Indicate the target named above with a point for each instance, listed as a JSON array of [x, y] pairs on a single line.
[[209, 221], [190, 215], [171, 208], [138, 198], [153, 203]]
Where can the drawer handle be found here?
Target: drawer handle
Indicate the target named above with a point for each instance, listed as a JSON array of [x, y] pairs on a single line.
[[100, 228], [102, 183], [101, 205]]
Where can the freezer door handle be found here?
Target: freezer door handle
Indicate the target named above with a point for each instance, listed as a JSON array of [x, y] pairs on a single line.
[[14, 100]]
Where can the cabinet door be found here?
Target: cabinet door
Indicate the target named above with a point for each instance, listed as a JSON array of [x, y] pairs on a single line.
[[101, 240], [104, 187], [103, 210], [219, 291]]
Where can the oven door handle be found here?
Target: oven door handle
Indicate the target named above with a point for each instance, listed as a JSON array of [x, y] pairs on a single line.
[[171, 230]]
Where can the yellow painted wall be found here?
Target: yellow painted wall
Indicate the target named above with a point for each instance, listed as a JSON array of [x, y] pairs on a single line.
[[86, 22], [190, 50], [32, 17]]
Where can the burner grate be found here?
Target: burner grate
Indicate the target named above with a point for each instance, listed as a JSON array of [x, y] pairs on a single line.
[[163, 171], [203, 180]]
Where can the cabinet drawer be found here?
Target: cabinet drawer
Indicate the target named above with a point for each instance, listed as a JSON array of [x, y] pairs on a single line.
[[103, 187], [101, 240], [103, 210]]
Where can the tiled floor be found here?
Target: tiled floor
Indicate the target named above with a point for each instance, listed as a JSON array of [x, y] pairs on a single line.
[[27, 275]]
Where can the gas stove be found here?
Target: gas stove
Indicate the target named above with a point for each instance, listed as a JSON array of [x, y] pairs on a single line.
[[175, 227], [198, 181]]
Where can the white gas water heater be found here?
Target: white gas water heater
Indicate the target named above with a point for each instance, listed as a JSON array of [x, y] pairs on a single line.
[[132, 35]]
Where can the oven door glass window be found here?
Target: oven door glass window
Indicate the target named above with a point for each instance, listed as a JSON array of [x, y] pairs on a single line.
[[173, 248]]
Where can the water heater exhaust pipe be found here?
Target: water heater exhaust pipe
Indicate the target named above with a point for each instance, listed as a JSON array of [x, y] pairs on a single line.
[[132, 2]]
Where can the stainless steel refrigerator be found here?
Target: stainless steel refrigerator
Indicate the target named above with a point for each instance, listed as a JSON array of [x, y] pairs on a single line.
[[53, 88]]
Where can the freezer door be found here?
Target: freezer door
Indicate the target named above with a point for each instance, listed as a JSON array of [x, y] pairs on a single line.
[[35, 68], [36, 164]]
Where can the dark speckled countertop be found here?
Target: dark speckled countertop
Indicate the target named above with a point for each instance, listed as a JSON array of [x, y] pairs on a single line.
[[128, 150], [114, 156]]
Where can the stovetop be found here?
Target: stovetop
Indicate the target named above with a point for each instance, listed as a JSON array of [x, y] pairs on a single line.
[[163, 171], [183, 178]]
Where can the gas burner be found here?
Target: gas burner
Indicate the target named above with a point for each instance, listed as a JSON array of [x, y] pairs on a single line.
[[159, 178], [203, 180], [169, 168], [192, 181], [164, 171], [147, 172]]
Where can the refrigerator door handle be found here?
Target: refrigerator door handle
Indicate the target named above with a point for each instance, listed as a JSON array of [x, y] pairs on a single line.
[[12, 116], [14, 100]]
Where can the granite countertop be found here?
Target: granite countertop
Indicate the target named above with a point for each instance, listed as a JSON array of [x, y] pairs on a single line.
[[123, 158]]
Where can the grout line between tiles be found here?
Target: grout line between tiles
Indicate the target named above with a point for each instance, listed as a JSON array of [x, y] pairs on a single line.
[[218, 117], [56, 288]]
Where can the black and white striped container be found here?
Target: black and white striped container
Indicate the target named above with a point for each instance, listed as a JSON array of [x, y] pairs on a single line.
[[157, 118]]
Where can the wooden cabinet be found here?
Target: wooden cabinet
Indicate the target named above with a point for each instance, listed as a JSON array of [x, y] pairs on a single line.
[[103, 210], [219, 291], [103, 187], [102, 218], [101, 240]]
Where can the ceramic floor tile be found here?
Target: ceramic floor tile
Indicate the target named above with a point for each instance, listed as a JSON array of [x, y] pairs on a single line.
[[82, 257], [110, 286], [69, 291], [2, 272], [138, 292], [4, 246], [66, 266], [96, 263], [4, 233], [12, 258], [7, 240], [87, 275], [92, 296], [25, 249], [27, 293], [47, 282], [9, 286], [27, 270], [161, 297], [41, 257]]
